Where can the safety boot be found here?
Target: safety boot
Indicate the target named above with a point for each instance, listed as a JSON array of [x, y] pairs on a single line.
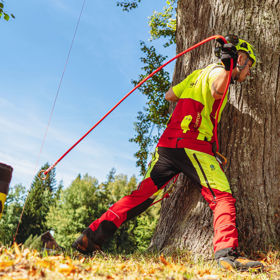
[[85, 243], [229, 259], [90, 241]]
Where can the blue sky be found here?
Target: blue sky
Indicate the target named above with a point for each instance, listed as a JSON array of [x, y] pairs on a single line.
[[105, 58]]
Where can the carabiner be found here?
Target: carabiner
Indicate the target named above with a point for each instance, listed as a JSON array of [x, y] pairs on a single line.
[[221, 159], [43, 177]]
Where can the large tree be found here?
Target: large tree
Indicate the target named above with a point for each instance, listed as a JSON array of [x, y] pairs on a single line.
[[249, 131]]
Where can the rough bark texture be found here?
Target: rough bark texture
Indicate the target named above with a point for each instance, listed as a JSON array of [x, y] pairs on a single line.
[[249, 132]]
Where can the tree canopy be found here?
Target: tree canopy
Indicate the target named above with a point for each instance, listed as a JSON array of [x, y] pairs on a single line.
[[128, 5], [154, 115]]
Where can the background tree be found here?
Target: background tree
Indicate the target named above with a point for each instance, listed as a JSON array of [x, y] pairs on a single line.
[[11, 214], [85, 200], [41, 196], [155, 114], [152, 119], [128, 5], [249, 132], [75, 208]]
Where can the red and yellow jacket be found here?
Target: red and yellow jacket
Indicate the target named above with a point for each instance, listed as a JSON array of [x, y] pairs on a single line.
[[192, 123]]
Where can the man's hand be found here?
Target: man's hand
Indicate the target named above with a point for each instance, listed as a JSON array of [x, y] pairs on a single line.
[[229, 51]]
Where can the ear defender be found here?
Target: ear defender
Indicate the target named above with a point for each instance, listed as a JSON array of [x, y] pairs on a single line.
[[240, 44]]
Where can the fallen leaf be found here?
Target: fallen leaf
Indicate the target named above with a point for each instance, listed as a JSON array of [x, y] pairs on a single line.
[[45, 264], [66, 268], [203, 272], [163, 260], [3, 265]]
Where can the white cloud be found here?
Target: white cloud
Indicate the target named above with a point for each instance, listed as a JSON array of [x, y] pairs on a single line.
[[22, 141], [61, 5]]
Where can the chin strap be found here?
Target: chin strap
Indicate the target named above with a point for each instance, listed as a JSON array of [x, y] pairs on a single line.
[[241, 67]]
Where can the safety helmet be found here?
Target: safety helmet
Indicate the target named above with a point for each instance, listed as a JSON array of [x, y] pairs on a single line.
[[242, 45]]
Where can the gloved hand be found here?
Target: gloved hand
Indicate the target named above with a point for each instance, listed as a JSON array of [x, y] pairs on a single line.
[[229, 51]]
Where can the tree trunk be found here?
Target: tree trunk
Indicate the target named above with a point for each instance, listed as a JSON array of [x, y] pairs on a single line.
[[249, 133]]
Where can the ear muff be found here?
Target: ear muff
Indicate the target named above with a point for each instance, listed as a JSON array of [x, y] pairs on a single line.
[[241, 45]]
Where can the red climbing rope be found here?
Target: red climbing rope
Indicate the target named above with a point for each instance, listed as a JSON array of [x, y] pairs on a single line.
[[45, 172]]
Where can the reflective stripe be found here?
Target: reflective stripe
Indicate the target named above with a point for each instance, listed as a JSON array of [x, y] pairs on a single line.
[[114, 213], [152, 164], [225, 225]]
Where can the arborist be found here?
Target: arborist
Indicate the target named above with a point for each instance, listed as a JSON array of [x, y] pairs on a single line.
[[5, 179], [186, 146]]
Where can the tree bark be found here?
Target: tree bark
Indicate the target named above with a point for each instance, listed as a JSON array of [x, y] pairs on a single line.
[[249, 132]]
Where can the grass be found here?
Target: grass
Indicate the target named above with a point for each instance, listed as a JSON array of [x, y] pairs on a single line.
[[22, 263]]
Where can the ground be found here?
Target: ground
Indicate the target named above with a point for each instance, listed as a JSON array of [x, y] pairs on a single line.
[[17, 262]]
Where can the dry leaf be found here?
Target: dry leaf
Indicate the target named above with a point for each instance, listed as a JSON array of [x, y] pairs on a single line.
[[65, 268], [45, 264], [163, 260], [3, 265], [203, 272]]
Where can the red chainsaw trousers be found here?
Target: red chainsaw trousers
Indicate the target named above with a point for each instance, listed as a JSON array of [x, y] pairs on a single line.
[[203, 169]]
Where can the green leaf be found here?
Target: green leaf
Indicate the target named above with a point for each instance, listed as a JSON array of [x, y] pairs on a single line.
[[12, 15], [6, 17], [1, 5]]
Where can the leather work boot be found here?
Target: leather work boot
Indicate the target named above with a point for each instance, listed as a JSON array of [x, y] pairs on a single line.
[[230, 260], [85, 244]]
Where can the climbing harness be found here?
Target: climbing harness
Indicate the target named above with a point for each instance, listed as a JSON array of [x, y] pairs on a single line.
[[43, 173], [221, 158]]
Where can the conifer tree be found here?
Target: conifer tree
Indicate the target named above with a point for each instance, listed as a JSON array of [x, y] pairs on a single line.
[[40, 198], [11, 214]]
